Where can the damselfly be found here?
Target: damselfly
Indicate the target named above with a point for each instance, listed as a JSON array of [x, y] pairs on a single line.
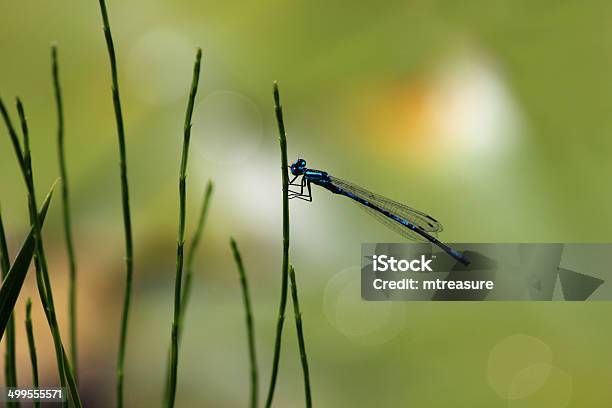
[[404, 220]]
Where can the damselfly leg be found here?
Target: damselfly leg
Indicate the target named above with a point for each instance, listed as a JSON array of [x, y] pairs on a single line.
[[303, 184]]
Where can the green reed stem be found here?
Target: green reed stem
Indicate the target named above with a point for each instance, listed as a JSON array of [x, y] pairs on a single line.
[[249, 322], [13, 136], [42, 277], [66, 211], [195, 242], [125, 201], [300, 334], [285, 266], [181, 232], [10, 364], [40, 261], [32, 346]]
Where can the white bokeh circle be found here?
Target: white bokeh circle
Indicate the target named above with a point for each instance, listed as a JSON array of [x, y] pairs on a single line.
[[159, 66], [362, 322]]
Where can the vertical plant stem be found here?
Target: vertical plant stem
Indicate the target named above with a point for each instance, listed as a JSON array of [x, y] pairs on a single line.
[[249, 322], [32, 346], [14, 138], [300, 334], [125, 201], [66, 211], [44, 283], [195, 242], [285, 266], [42, 274], [181, 232], [10, 365]]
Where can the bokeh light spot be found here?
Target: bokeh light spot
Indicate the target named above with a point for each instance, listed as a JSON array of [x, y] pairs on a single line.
[[463, 106], [159, 66], [364, 323], [510, 357]]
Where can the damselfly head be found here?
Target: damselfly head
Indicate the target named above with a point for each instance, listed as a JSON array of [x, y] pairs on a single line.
[[298, 167]]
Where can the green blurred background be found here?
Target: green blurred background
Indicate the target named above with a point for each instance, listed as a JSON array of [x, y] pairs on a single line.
[[493, 116]]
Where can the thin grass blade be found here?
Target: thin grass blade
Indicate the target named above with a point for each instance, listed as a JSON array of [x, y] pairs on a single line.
[[195, 242], [10, 363], [285, 266], [125, 201], [193, 249], [66, 210], [40, 260], [249, 323], [174, 353], [73, 388], [42, 273], [12, 134], [300, 334], [32, 346], [13, 282]]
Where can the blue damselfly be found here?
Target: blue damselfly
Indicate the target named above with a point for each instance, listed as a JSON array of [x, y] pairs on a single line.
[[410, 223]]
